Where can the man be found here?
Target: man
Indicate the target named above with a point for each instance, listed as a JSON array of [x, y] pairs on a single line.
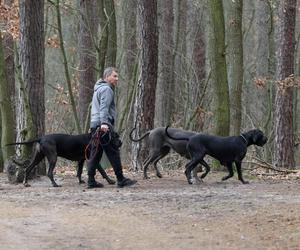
[[104, 137]]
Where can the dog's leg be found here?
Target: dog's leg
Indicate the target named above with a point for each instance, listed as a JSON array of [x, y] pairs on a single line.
[[197, 154], [239, 172], [145, 166], [195, 176], [163, 153], [38, 156], [188, 169], [158, 174], [154, 156], [79, 171], [105, 176], [230, 170], [207, 168], [50, 173], [52, 158]]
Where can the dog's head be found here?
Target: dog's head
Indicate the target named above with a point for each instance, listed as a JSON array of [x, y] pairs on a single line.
[[256, 137]]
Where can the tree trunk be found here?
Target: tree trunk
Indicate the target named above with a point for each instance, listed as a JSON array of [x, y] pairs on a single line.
[[6, 110], [1, 153], [235, 62], [10, 77], [128, 69], [32, 58], [166, 64], [297, 73], [263, 55], [179, 98], [285, 42], [103, 41], [145, 98], [218, 67], [111, 53], [87, 58], [66, 66], [195, 40]]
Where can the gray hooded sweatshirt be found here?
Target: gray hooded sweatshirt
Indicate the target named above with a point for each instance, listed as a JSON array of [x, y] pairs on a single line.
[[103, 104]]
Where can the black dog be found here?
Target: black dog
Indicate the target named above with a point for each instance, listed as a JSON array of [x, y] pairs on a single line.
[[71, 147], [160, 145], [225, 149]]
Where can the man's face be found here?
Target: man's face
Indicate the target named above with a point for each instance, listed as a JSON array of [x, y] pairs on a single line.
[[112, 78]]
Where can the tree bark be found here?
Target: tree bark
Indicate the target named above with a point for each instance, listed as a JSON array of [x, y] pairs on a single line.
[[1, 153], [285, 43], [32, 58], [235, 62], [195, 40], [8, 51], [128, 69], [87, 56], [166, 64], [66, 67], [145, 98], [218, 67], [264, 54], [103, 41], [111, 53], [6, 110]]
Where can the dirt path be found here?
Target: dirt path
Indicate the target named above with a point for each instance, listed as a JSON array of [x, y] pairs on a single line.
[[155, 214]]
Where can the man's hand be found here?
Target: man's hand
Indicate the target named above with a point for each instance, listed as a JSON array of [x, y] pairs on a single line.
[[104, 128]]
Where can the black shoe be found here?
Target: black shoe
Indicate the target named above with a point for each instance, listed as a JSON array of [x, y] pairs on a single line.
[[126, 182], [95, 185]]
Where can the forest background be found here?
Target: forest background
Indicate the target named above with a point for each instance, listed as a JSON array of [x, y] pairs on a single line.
[[202, 65]]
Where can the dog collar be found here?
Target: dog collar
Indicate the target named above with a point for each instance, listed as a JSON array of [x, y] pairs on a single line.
[[244, 138]]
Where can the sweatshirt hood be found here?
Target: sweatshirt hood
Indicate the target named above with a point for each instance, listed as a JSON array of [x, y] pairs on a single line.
[[100, 83]]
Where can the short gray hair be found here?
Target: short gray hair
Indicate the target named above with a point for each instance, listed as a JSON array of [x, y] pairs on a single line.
[[108, 71]]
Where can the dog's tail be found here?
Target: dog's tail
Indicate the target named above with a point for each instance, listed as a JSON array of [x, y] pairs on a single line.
[[24, 142], [138, 139], [175, 138]]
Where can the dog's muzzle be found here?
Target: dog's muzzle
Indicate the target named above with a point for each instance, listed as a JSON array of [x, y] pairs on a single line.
[[263, 141]]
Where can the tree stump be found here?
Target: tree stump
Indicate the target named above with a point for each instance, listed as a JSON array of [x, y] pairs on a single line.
[[15, 170]]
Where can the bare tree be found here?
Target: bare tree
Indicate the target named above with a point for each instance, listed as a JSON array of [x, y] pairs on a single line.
[[66, 65], [111, 53], [6, 110], [87, 56], [32, 58], [196, 44], [8, 52], [165, 82], [264, 55], [128, 69], [103, 40], [285, 43], [235, 61], [145, 97], [218, 67]]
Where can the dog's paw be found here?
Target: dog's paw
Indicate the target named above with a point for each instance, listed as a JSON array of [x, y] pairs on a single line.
[[197, 180], [190, 180], [26, 184], [188, 177], [111, 182], [159, 175]]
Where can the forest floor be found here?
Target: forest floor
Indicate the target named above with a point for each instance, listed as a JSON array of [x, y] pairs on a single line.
[[162, 213]]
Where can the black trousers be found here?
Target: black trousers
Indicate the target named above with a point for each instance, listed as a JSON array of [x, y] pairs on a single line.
[[112, 153]]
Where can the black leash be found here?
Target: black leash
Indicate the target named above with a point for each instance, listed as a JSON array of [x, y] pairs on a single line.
[[96, 142]]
